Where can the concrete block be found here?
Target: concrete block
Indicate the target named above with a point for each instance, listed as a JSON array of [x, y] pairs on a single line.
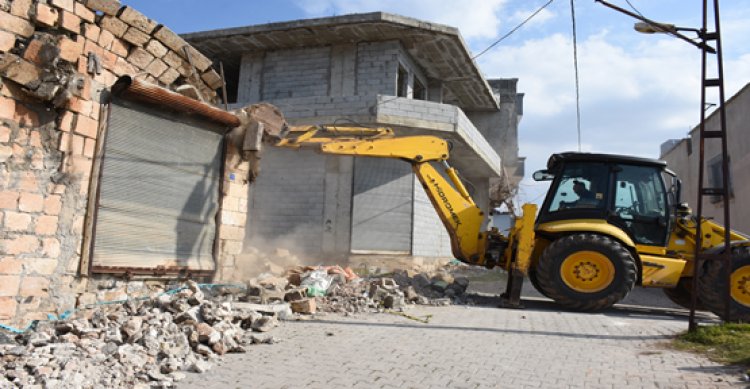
[[169, 39]]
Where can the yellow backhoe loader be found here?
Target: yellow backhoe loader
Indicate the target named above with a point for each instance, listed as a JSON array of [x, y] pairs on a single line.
[[608, 223]]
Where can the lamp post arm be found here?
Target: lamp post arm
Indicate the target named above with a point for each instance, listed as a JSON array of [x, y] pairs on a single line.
[[660, 27]]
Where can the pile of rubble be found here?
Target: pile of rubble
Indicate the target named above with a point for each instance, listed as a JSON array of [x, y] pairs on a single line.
[[138, 344], [339, 290]]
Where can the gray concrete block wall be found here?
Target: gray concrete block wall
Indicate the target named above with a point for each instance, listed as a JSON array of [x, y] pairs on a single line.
[[287, 201], [430, 239], [296, 73], [377, 67]]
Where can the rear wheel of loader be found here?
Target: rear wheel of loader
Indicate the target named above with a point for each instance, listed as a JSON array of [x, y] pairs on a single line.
[[586, 272], [712, 286], [681, 293]]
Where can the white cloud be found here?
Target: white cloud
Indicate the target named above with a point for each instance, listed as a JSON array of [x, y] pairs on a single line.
[[474, 18], [542, 17]]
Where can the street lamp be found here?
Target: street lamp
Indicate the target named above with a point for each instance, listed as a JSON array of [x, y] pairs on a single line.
[[648, 26]]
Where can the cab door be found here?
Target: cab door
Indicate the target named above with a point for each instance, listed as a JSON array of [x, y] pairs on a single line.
[[640, 204]]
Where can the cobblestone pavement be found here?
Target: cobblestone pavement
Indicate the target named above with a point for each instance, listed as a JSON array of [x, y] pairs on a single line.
[[475, 347]]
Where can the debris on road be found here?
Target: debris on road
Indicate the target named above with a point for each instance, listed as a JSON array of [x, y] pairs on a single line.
[[148, 343]]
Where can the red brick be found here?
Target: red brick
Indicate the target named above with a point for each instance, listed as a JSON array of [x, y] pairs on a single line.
[[32, 51], [119, 47], [67, 121], [52, 205], [20, 70], [89, 147], [70, 50], [35, 138], [46, 225], [105, 39], [123, 67], [23, 244], [83, 87], [70, 22], [7, 308], [15, 221], [51, 247], [64, 4], [76, 145], [9, 285], [80, 106], [156, 68], [15, 24], [78, 165], [136, 19], [84, 13], [92, 31], [7, 41], [86, 126], [46, 15], [7, 108], [108, 59], [108, 7], [10, 265], [34, 286], [136, 36], [27, 182], [4, 134], [25, 117], [30, 202], [140, 57], [114, 25], [20, 8], [40, 266]]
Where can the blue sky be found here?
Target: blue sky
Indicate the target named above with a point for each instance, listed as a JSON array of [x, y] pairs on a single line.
[[636, 90]]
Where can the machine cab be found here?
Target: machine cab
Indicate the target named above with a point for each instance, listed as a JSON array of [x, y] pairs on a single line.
[[627, 192]]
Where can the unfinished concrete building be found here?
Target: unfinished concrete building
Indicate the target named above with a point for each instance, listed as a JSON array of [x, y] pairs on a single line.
[[99, 190], [372, 69], [682, 157]]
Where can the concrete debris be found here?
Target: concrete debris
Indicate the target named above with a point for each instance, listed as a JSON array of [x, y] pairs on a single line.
[[146, 343]]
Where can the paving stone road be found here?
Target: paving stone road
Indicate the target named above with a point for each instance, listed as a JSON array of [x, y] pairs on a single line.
[[475, 347]]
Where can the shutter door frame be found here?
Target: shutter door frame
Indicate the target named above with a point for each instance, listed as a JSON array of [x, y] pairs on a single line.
[[93, 217]]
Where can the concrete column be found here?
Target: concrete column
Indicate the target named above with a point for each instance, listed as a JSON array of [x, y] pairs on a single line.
[[337, 207], [343, 70], [251, 78]]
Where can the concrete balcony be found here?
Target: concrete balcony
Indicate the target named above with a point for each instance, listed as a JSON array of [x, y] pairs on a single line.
[[471, 153]]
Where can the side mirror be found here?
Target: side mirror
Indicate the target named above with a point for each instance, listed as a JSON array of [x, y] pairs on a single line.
[[543, 175]]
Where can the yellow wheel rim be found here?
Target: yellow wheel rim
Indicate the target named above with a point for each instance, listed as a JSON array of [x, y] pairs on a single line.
[[740, 282], [587, 271]]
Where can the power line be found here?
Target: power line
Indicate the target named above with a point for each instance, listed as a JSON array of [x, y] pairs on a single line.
[[633, 7], [575, 65], [509, 33]]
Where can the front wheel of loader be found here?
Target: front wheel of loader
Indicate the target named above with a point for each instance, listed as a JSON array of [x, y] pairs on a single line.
[[535, 282], [713, 282], [586, 272]]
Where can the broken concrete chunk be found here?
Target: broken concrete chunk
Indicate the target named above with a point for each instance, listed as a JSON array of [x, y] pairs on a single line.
[[264, 324], [306, 305]]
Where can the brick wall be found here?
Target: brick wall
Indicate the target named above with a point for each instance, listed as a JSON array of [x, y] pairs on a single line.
[[56, 59]]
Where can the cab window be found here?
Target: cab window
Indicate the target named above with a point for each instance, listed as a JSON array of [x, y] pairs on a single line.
[[640, 203], [581, 186]]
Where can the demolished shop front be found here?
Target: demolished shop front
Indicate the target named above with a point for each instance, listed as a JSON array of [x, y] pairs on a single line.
[[156, 186]]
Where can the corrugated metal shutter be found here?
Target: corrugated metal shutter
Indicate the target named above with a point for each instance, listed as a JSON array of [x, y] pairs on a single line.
[[382, 206], [159, 191]]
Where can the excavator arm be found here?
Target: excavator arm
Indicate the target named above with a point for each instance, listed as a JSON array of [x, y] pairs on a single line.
[[460, 215]]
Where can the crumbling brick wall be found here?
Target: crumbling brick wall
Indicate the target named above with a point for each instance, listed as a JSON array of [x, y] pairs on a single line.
[[58, 59]]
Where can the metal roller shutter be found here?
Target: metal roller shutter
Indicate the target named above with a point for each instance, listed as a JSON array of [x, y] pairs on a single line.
[[382, 206], [158, 191]]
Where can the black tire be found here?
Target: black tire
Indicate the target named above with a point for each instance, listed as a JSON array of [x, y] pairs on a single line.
[[535, 282], [712, 285], [623, 271], [681, 293]]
